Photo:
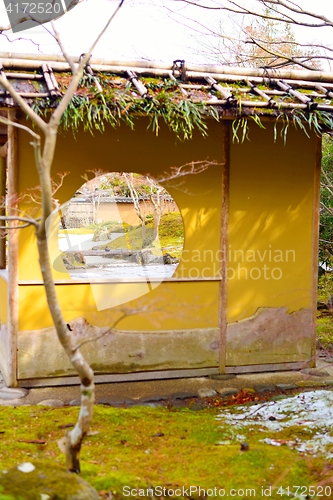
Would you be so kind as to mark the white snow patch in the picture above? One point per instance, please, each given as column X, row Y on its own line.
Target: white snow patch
column 311, row 410
column 26, row 467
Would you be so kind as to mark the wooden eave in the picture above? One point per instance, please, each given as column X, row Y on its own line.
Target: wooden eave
column 232, row 91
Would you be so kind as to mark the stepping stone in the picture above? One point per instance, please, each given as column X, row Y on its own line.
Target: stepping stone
column 153, row 399
column 12, row 402
column 206, row 393
column 183, row 395
column 314, row 372
column 151, row 405
column 286, row 387
column 112, row 401
column 75, row 402
column 227, row 391
column 309, row 383
column 51, row 402
column 13, row 393
column 264, row 388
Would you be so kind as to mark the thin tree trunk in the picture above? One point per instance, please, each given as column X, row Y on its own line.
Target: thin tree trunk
column 75, row 437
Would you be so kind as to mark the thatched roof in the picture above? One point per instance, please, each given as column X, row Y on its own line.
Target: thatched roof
column 141, row 87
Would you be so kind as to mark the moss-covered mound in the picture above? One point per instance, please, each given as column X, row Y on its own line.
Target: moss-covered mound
column 45, row 481
column 105, row 230
column 171, row 236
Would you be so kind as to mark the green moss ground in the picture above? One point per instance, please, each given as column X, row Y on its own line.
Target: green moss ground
column 325, row 317
column 142, row 446
column 171, row 235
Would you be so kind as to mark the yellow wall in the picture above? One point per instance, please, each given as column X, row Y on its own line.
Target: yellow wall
column 191, row 305
column 3, row 301
column 270, row 214
column 167, row 307
column 270, row 224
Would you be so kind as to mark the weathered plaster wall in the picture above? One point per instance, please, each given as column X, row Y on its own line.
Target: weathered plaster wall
column 123, row 351
column 271, row 335
column 5, row 358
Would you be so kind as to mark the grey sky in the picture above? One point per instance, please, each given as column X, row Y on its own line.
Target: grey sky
column 142, row 29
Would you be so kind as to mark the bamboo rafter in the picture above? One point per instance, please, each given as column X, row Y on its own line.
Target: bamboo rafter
column 137, row 84
column 239, row 91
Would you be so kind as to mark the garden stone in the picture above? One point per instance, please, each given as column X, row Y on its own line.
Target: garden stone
column 13, row 393
column 11, row 402
column 227, row 391
column 314, row 372
column 75, row 402
column 264, row 388
column 44, row 480
column 151, row 405
column 309, row 383
column 113, row 401
column 286, row 387
column 206, row 392
column 72, row 260
column 51, row 402
column 101, row 235
column 152, row 399
column 183, row 395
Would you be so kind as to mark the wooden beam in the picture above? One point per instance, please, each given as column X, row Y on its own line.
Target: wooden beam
column 2, row 210
column 315, row 244
column 115, row 281
column 120, row 377
column 270, row 367
column 13, row 240
column 224, row 242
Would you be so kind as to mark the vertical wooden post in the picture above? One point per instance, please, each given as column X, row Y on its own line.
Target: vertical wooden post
column 13, row 236
column 315, row 245
column 2, row 209
column 224, row 242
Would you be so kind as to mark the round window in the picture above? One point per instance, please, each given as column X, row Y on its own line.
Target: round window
column 120, row 226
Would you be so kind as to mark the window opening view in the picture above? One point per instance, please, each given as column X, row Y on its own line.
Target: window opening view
column 121, row 226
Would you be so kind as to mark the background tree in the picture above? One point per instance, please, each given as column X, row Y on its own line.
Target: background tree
column 259, row 42
column 146, row 188
column 275, row 16
column 326, row 203
column 137, row 198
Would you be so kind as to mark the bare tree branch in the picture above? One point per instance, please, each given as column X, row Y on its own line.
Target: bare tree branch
column 237, row 8
column 28, row 221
